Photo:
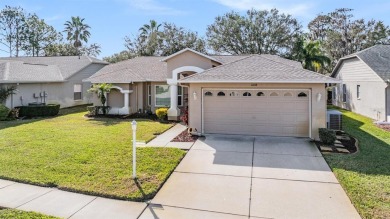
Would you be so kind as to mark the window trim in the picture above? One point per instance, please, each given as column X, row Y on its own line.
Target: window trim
column 180, row 95
column 358, row 92
column 344, row 93
column 149, row 95
column 155, row 95
column 74, row 92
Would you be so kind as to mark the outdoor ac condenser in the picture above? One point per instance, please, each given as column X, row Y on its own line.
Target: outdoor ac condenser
column 334, row 119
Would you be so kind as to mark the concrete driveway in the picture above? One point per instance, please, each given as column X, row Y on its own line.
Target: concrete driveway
column 252, row 177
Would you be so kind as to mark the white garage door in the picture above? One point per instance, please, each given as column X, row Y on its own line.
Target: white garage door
column 256, row 112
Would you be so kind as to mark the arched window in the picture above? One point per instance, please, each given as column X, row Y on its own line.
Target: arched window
column 221, row 94
column 260, row 94
column 288, row 94
column 208, row 93
column 274, row 94
column 302, row 94
column 233, row 94
column 247, row 94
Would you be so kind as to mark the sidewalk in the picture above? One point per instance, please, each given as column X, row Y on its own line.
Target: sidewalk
column 52, row 201
column 165, row 139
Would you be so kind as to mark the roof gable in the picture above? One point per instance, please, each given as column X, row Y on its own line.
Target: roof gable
column 192, row 51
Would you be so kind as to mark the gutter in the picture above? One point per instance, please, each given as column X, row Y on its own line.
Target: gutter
column 265, row 82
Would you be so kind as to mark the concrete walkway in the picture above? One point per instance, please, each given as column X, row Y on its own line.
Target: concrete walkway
column 165, row 139
column 64, row 204
column 251, row 177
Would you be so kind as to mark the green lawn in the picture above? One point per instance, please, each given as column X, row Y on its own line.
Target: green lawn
column 85, row 155
column 365, row 175
column 16, row 214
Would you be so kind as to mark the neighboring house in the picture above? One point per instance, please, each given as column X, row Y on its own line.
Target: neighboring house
column 56, row 79
column 365, row 87
column 250, row 94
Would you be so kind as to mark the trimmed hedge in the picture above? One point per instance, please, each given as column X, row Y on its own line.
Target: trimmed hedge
column 162, row 113
column 327, row 136
column 38, row 111
column 4, row 111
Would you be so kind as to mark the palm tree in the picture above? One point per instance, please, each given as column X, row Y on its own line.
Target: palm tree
column 77, row 31
column 313, row 57
column 101, row 90
column 149, row 35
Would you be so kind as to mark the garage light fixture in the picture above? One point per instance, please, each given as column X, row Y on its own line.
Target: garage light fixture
column 195, row 95
column 319, row 97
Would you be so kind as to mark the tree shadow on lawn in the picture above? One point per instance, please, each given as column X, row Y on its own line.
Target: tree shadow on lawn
column 373, row 155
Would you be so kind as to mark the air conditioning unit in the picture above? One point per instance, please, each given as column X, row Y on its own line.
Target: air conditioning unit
column 334, row 119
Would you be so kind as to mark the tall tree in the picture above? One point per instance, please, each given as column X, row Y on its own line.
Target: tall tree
column 11, row 25
column 66, row 49
column 38, row 35
column 342, row 35
column 118, row 57
column 150, row 36
column 77, row 31
column 257, row 32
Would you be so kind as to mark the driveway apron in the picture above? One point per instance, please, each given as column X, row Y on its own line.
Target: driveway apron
column 225, row 176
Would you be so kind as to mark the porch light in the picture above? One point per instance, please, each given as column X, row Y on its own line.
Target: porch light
column 195, row 95
column 319, row 97
column 134, row 128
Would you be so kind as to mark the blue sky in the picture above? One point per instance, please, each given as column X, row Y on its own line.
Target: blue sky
column 111, row 20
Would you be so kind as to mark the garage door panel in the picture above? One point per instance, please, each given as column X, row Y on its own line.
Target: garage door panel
column 257, row 115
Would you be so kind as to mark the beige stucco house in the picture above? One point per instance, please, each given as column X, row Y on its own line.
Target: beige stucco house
column 249, row 94
column 56, row 79
column 365, row 87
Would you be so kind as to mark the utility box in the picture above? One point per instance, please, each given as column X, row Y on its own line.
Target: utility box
column 334, row 120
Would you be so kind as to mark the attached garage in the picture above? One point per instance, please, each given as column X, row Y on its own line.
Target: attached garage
column 275, row 112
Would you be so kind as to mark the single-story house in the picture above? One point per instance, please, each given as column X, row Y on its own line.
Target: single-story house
column 56, row 79
column 248, row 94
column 365, row 87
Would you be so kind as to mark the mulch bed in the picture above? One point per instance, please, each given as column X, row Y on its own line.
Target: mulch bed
column 384, row 127
column 132, row 116
column 185, row 137
column 345, row 144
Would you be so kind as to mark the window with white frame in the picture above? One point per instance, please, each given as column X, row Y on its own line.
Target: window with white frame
column 344, row 93
column 334, row 93
column 77, row 92
column 358, row 91
column 163, row 95
column 149, row 95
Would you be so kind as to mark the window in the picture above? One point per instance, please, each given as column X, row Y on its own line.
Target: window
column 260, row 94
column 149, row 95
column 234, row 94
column 274, row 94
column 334, row 93
column 302, row 94
column 288, row 94
column 358, row 91
column 163, row 96
column 344, row 93
column 247, row 94
column 180, row 96
column 208, row 93
column 221, row 94
column 77, row 92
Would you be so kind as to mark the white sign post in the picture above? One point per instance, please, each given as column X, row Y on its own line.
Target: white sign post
column 134, row 128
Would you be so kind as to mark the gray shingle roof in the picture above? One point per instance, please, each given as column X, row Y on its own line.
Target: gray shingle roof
column 16, row 71
column 67, row 65
column 258, row 68
column 133, row 70
column 376, row 57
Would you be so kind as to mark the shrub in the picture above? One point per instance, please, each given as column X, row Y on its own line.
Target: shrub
column 4, row 111
column 327, row 136
column 98, row 110
column 14, row 113
column 162, row 113
column 184, row 117
column 36, row 111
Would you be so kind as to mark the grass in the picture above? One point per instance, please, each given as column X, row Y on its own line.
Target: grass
column 17, row 214
column 92, row 156
column 365, row 175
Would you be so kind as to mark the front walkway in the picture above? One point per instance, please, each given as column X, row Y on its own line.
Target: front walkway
column 64, row 204
column 165, row 139
column 251, row 177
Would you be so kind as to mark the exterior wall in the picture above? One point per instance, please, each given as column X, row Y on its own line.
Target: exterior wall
column 372, row 101
column 318, row 109
column 388, row 103
column 59, row 93
column 116, row 99
column 187, row 59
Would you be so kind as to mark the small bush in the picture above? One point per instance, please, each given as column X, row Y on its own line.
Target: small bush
column 98, row 110
column 327, row 136
column 162, row 113
column 4, row 111
column 37, row 111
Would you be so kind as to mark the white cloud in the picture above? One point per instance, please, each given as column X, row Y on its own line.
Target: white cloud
column 153, row 7
column 286, row 6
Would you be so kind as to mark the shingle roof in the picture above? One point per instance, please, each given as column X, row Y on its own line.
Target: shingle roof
column 16, row 71
column 376, row 57
column 67, row 65
column 133, row 70
column 258, row 68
